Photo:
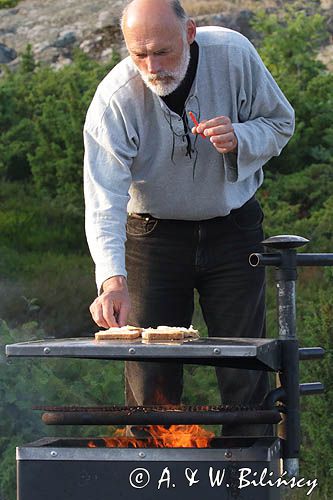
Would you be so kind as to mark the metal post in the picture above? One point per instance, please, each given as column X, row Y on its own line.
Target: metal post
column 286, row 261
column 286, row 276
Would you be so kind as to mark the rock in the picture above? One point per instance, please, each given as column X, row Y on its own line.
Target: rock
column 61, row 62
column 6, row 54
column 11, row 12
column 238, row 21
column 9, row 29
column 105, row 18
column 41, row 47
column 65, row 39
column 326, row 57
column 61, row 24
column 54, row 27
column 104, row 41
column 107, row 54
column 326, row 4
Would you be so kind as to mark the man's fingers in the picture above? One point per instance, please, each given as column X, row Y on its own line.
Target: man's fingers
column 227, row 147
column 123, row 313
column 223, row 140
column 112, row 306
column 109, row 313
column 199, row 129
column 102, row 314
column 109, row 306
column 97, row 316
column 214, row 122
column 219, row 130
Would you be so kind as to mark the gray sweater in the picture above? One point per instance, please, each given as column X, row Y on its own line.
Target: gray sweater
column 136, row 153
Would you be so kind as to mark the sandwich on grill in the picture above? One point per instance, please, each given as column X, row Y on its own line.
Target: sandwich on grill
column 115, row 333
column 169, row 333
column 160, row 333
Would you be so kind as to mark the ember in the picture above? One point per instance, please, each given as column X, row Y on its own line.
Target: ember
column 176, row 436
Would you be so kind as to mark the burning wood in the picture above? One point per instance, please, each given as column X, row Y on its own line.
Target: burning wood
column 176, row 436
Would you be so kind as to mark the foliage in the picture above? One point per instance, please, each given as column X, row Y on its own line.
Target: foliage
column 300, row 203
column 317, row 329
column 289, row 44
column 41, row 118
column 55, row 382
column 34, row 223
column 43, row 256
column 5, row 4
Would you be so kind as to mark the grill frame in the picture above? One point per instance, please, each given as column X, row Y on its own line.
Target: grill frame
column 257, row 449
column 104, row 473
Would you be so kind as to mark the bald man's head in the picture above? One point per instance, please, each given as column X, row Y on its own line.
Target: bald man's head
column 158, row 37
column 169, row 6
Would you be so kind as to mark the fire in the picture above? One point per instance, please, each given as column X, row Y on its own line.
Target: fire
column 176, row 436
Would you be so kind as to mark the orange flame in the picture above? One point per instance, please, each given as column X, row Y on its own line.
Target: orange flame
column 176, row 436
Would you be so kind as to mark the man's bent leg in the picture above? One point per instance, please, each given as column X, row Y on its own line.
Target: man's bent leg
column 160, row 281
column 232, row 297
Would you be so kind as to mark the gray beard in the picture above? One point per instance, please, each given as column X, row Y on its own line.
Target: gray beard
column 166, row 82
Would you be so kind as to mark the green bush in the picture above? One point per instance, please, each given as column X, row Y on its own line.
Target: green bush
column 6, row 4
column 41, row 119
column 30, row 222
column 316, row 328
column 25, row 383
column 289, row 45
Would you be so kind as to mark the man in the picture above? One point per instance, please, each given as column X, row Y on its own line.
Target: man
column 188, row 189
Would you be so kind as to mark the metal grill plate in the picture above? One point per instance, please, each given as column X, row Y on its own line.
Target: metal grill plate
column 211, row 350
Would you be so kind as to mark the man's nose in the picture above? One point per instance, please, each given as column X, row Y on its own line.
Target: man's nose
column 153, row 65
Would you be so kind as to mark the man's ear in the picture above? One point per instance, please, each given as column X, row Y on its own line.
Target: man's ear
column 191, row 31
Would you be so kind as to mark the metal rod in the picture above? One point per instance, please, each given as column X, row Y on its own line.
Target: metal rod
column 266, row 259
column 314, row 259
column 286, row 303
column 308, row 353
column 290, row 382
column 279, row 394
column 291, row 466
column 286, row 276
column 302, row 259
column 311, row 388
column 162, row 418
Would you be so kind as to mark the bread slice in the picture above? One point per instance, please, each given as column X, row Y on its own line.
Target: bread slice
column 160, row 334
column 187, row 332
column 123, row 333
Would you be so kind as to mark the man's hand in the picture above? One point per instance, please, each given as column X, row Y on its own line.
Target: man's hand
column 111, row 308
column 220, row 132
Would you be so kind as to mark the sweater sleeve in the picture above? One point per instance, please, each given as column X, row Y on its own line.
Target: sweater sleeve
column 109, row 150
column 265, row 117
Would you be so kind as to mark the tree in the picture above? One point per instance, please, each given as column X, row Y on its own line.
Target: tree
column 289, row 45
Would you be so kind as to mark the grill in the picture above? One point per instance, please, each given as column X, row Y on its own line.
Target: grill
column 73, row 471
column 87, row 469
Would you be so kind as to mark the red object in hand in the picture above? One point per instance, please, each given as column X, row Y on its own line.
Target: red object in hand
column 194, row 120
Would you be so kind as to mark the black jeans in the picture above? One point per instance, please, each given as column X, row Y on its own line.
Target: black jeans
column 166, row 260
